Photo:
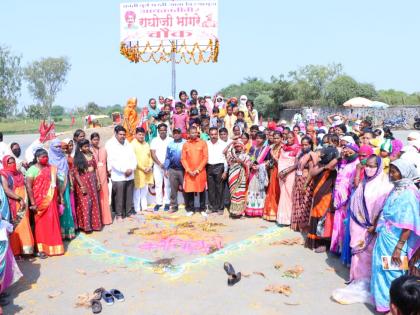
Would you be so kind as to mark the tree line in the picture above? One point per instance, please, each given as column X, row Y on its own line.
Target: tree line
column 312, row 85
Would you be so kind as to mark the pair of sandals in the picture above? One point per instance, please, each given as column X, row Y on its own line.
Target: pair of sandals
column 108, row 296
column 233, row 276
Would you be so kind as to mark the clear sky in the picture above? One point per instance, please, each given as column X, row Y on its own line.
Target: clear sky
column 377, row 41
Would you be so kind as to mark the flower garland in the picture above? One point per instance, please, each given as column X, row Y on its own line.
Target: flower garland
column 183, row 53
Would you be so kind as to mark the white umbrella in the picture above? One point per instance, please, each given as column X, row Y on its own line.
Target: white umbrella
column 358, row 102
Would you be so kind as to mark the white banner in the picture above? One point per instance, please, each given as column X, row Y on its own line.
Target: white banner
column 164, row 21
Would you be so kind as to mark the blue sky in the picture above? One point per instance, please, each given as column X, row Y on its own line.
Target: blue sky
column 376, row 41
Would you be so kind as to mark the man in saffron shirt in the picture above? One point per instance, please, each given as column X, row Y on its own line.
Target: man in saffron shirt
column 194, row 159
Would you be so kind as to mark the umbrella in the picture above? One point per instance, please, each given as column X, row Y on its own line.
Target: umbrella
column 358, row 102
column 377, row 104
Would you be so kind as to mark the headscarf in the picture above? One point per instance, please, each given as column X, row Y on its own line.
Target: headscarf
column 353, row 147
column 386, row 146
column 271, row 125
column 57, row 157
column 220, row 105
column 229, row 102
column 348, row 139
column 365, row 150
column 294, row 148
column 416, row 142
column 397, row 146
column 18, row 179
column 408, row 173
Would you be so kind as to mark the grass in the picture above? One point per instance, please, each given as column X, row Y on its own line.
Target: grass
column 22, row 126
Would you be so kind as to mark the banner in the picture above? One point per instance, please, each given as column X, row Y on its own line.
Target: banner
column 161, row 22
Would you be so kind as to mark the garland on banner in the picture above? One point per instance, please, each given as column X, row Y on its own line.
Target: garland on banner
column 163, row 53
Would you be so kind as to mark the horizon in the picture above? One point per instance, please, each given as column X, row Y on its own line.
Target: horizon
column 372, row 49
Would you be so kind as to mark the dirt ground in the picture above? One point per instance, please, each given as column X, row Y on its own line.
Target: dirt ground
column 172, row 264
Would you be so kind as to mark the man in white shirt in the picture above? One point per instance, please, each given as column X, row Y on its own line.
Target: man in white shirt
column 4, row 150
column 121, row 162
column 158, row 149
column 216, row 171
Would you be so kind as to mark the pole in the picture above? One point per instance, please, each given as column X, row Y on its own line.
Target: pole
column 173, row 87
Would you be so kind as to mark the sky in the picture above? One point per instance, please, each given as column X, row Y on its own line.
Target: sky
column 377, row 41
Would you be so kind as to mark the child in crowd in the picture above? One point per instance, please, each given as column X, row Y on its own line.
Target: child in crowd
column 180, row 119
column 240, row 121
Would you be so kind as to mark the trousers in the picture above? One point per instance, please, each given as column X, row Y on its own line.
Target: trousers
column 215, row 186
column 189, row 201
column 140, row 198
column 122, row 197
column 176, row 179
column 162, row 186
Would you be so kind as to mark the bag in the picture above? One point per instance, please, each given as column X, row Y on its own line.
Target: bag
column 356, row 292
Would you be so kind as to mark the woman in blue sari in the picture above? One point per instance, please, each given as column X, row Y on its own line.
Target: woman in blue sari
column 398, row 231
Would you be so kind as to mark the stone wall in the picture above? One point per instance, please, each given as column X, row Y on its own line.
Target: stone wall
column 377, row 115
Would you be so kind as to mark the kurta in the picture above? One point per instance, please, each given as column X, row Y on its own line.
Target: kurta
column 144, row 160
column 194, row 157
column 130, row 122
column 100, row 157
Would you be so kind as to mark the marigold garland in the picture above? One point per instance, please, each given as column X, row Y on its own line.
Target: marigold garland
column 196, row 53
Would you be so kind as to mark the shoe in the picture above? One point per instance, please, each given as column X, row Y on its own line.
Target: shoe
column 229, row 269
column 204, row 214
column 96, row 306
column 117, row 295
column 156, row 208
column 97, row 294
column 166, row 208
column 189, row 213
column 173, row 210
column 108, row 298
column 234, row 279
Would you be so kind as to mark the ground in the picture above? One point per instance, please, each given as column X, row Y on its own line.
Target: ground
column 172, row 264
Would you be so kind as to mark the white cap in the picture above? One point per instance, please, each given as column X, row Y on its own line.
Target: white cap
column 348, row 139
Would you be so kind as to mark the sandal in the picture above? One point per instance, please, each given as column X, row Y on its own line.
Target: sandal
column 42, row 255
column 234, row 279
column 97, row 294
column 117, row 295
column 229, row 269
column 96, row 306
column 107, row 297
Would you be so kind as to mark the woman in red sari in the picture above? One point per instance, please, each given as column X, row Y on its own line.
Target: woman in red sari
column 88, row 207
column 273, row 191
column 21, row 239
column 44, row 196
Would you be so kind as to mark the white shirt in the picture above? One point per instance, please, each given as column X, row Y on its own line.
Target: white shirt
column 120, row 158
column 4, row 150
column 160, row 146
column 215, row 151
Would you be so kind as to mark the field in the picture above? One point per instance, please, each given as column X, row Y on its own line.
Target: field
column 24, row 126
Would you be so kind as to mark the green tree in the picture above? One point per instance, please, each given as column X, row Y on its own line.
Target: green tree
column 113, row 109
column 34, row 111
column 93, row 109
column 10, row 81
column 46, row 78
column 57, row 111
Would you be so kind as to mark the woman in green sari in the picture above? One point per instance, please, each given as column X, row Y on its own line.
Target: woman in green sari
column 58, row 159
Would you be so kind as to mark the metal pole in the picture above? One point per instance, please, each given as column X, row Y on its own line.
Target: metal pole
column 173, row 72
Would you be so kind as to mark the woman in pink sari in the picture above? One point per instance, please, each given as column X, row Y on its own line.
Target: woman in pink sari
column 100, row 156
column 258, row 178
column 287, row 172
column 342, row 193
column 365, row 207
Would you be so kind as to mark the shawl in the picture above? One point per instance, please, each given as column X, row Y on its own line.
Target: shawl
column 57, row 157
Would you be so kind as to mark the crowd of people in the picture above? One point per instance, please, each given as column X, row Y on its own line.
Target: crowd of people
column 347, row 187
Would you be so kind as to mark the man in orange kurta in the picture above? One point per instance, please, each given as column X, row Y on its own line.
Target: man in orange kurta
column 131, row 118
column 194, row 159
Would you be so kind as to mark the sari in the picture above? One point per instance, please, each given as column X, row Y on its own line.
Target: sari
column 341, row 196
column 47, row 222
column 21, row 239
column 238, row 176
column 401, row 212
column 302, row 197
column 258, row 180
column 9, row 270
column 365, row 206
column 100, row 157
column 273, row 190
column 88, row 207
column 59, row 160
column 321, row 215
column 287, row 160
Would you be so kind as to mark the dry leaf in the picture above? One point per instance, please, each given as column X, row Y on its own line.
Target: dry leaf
column 281, row 289
column 109, row 270
column 246, row 275
column 294, row 272
column 278, row 265
column 330, row 269
column 292, row 303
column 259, row 273
column 289, row 241
column 54, row 294
column 81, row 271
column 83, row 300
column 132, row 231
